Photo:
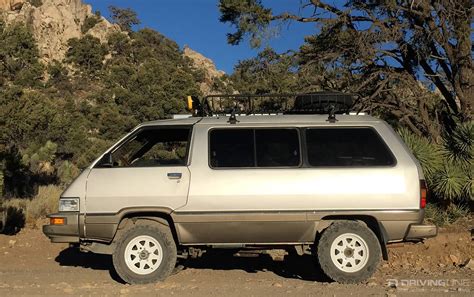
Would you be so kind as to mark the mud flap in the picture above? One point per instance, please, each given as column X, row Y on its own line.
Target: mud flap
column 382, row 236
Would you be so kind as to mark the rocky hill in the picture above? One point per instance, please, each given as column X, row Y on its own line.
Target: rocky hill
column 54, row 22
column 207, row 66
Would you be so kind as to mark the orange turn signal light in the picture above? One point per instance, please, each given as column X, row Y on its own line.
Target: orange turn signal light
column 57, row 221
column 190, row 103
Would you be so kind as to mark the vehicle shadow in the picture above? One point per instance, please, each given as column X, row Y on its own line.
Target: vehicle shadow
column 72, row 257
column 293, row 266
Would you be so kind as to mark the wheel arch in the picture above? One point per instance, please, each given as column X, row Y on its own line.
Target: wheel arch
column 371, row 222
column 135, row 217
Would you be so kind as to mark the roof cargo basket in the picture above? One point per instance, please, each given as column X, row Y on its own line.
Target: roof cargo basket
column 312, row 103
column 322, row 103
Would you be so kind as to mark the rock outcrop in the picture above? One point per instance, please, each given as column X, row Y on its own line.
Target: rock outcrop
column 207, row 66
column 54, row 22
column 7, row 5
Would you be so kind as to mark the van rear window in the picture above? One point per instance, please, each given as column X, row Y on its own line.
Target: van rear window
column 346, row 147
column 254, row 148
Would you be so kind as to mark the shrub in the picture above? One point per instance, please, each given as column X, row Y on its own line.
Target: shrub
column 45, row 202
column 67, row 171
column 448, row 168
column 41, row 159
column 89, row 23
column 36, row 3
column 459, row 145
column 450, row 182
column 442, row 217
column 87, row 53
column 428, row 154
column 19, row 54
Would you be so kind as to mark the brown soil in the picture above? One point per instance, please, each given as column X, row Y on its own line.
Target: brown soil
column 31, row 265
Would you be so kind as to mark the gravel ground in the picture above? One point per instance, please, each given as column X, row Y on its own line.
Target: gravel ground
column 31, row 265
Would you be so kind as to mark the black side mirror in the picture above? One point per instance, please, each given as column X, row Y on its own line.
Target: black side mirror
column 107, row 161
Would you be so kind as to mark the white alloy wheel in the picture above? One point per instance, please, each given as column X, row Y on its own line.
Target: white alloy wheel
column 143, row 254
column 349, row 252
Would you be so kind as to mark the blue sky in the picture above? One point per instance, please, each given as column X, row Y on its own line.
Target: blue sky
column 196, row 23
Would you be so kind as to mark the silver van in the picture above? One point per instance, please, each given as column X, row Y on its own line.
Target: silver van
column 340, row 187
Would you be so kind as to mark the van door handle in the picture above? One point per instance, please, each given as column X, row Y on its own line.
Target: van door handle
column 174, row 175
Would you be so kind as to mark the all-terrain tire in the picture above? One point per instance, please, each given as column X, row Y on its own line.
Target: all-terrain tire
column 152, row 243
column 348, row 252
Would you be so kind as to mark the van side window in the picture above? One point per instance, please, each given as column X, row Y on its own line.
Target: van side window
column 346, row 147
column 277, row 147
column 252, row 148
column 232, row 148
column 154, row 147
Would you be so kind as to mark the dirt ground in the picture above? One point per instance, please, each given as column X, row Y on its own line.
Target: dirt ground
column 31, row 265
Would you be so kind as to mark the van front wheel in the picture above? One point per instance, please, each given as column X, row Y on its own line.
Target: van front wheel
column 348, row 252
column 145, row 254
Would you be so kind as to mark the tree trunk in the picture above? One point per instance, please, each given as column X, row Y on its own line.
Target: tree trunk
column 463, row 66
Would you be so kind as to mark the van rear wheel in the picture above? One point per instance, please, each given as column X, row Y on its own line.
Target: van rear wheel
column 145, row 254
column 348, row 252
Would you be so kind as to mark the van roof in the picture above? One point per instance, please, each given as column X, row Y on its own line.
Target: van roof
column 266, row 119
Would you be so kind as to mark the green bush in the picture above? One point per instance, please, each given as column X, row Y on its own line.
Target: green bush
column 459, row 145
column 18, row 56
column 89, row 23
column 40, row 161
column 442, row 217
column 67, row 171
column 450, row 182
column 36, row 3
column 449, row 167
column 428, row 154
column 87, row 53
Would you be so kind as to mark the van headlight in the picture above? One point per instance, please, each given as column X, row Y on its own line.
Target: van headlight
column 68, row 204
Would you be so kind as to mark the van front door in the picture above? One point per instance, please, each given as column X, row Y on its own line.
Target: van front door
column 146, row 172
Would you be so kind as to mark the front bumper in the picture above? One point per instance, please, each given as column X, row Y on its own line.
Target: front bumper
column 420, row 231
column 68, row 232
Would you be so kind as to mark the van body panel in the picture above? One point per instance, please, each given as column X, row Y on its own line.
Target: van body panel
column 215, row 193
column 111, row 190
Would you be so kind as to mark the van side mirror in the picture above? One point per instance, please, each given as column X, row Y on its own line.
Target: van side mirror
column 107, row 161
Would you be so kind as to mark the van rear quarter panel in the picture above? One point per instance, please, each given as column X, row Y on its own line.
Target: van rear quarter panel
column 231, row 191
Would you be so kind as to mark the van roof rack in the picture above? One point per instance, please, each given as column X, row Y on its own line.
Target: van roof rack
column 326, row 102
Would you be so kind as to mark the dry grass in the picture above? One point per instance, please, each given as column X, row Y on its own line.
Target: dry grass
column 446, row 217
column 45, row 202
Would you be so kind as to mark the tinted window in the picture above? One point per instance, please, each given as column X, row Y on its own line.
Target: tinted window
column 349, row 147
column 254, row 148
column 277, row 147
column 153, row 147
column 232, row 148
